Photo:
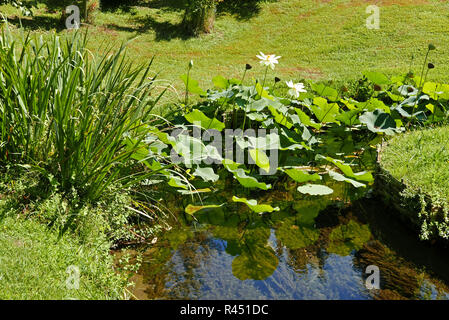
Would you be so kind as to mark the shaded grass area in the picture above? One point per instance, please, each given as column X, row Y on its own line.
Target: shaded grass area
column 34, row 264
column 38, row 259
column 317, row 40
column 421, row 160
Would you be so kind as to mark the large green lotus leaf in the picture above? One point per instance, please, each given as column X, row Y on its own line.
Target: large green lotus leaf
column 257, row 263
column 347, row 170
column 192, row 85
column 349, row 118
column 379, row 121
column 325, row 112
column 295, row 237
column 301, row 175
column 242, row 177
column 305, row 119
column 258, row 105
column 280, row 118
column 220, row 96
column 262, row 92
column 207, row 174
column 191, row 209
column 315, row 189
column 231, row 166
column 257, row 116
column 350, row 104
column 252, row 204
column 162, row 136
column 436, row 90
column 376, row 77
column 193, row 149
column 220, row 82
column 348, row 237
column 197, row 116
column 325, row 91
column 373, row 104
column 248, row 181
column 291, row 140
column 178, row 182
column 268, row 142
column 261, row 159
column 339, row 177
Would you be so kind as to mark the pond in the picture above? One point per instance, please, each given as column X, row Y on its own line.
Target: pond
column 312, row 248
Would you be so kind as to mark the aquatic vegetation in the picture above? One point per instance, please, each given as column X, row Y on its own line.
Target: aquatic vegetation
column 311, row 136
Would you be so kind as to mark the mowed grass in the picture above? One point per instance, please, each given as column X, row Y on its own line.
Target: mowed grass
column 34, row 265
column 317, row 39
column 421, row 160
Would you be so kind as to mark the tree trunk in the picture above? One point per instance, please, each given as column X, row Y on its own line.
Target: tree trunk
column 199, row 20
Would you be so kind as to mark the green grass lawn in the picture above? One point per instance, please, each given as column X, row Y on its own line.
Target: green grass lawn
column 317, row 40
column 34, row 265
column 421, row 160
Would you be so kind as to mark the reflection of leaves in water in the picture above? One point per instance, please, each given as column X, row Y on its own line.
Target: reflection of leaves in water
column 178, row 237
column 233, row 248
column 295, row 237
column 345, row 238
column 256, row 237
column 255, row 259
column 299, row 231
column 308, row 211
column 256, row 263
column 226, row 233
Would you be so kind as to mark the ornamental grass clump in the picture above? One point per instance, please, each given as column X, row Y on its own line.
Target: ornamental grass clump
column 72, row 117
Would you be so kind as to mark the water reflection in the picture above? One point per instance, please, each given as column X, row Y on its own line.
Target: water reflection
column 308, row 250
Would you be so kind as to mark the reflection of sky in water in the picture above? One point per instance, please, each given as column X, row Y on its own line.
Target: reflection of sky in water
column 337, row 279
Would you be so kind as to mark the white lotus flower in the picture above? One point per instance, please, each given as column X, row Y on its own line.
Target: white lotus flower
column 268, row 60
column 295, row 88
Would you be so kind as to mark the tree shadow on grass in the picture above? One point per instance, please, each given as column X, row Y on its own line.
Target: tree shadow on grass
column 38, row 22
column 167, row 30
column 164, row 30
column 127, row 5
column 242, row 10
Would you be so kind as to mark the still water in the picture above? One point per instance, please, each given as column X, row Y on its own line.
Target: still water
column 310, row 249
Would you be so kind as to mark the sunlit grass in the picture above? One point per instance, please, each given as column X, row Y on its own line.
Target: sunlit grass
column 317, row 40
column 34, row 264
column 421, row 160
